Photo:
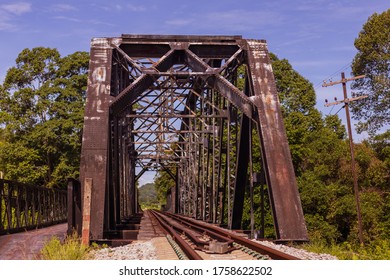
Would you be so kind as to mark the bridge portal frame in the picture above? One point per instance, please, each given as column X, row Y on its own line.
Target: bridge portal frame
column 124, row 70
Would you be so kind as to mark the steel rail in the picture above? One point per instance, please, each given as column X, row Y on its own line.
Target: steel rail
column 186, row 230
column 215, row 235
column 187, row 249
column 272, row 253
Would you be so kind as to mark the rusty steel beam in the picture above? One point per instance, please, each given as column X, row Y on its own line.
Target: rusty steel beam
column 129, row 94
column 96, row 136
column 180, row 38
column 283, row 190
column 229, row 91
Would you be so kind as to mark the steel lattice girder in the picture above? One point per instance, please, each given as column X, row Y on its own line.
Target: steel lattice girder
column 163, row 102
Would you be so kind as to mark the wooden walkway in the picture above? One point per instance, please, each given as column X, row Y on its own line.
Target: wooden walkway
column 27, row 245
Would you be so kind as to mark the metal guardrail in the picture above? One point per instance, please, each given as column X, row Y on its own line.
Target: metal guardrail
column 24, row 207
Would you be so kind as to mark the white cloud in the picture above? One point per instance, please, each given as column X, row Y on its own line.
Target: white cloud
column 311, row 5
column 63, row 8
column 8, row 12
column 98, row 22
column 136, row 8
column 16, row 8
column 78, row 20
column 315, row 63
column 67, row 18
column 228, row 21
column 179, row 22
column 241, row 20
column 346, row 48
column 4, row 24
column 122, row 8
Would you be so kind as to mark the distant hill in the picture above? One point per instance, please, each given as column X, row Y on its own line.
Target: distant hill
column 147, row 194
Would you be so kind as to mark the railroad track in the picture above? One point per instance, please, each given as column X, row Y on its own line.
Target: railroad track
column 194, row 237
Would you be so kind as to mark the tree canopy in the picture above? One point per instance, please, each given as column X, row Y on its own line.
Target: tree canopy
column 41, row 112
column 373, row 60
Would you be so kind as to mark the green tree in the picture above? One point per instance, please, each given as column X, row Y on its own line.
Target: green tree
column 163, row 182
column 296, row 93
column 306, row 129
column 381, row 145
column 373, row 60
column 41, row 105
column 321, row 160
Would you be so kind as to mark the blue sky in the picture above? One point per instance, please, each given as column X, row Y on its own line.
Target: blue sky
column 316, row 36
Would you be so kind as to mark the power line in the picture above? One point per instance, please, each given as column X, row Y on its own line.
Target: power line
column 339, row 109
column 338, row 71
column 332, row 110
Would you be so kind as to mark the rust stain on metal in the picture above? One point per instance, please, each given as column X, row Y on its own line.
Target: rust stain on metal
column 86, row 223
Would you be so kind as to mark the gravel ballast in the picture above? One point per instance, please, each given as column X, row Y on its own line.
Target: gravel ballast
column 145, row 250
column 138, row 250
column 299, row 253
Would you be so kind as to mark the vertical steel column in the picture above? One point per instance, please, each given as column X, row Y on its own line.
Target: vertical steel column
column 220, row 185
column 213, row 207
column 112, row 195
column 2, row 201
column 251, row 191
column 115, row 176
column 131, row 181
column 74, row 206
column 243, row 158
column 71, row 207
column 241, row 174
column 131, row 185
column 228, row 167
column 93, row 165
column 208, row 180
column 33, row 206
column 199, row 186
column 9, row 211
column 203, row 165
column 176, row 207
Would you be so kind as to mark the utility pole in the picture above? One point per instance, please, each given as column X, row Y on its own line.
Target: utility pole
column 346, row 101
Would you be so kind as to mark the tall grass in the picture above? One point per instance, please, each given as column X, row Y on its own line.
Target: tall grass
column 377, row 250
column 70, row 249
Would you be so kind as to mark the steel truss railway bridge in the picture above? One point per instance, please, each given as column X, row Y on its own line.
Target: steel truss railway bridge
column 191, row 106
column 175, row 103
